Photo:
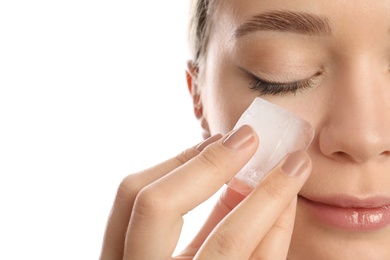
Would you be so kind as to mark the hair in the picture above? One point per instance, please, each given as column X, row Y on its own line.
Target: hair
column 200, row 20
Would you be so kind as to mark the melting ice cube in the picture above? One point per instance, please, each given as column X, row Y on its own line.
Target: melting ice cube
column 280, row 132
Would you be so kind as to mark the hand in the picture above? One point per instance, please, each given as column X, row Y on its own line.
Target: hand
column 146, row 217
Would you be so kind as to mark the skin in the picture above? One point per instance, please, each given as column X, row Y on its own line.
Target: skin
column 347, row 104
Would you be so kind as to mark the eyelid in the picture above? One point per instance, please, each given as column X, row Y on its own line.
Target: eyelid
column 265, row 87
column 270, row 82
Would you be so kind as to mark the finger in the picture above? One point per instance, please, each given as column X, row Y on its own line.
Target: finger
column 237, row 236
column 156, row 220
column 113, row 243
column 228, row 200
column 276, row 242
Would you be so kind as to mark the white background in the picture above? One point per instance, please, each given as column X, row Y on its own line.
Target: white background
column 90, row 91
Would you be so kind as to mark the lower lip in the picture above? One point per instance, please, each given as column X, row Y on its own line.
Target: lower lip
column 352, row 219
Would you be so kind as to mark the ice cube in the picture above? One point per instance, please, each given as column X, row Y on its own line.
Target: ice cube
column 280, row 132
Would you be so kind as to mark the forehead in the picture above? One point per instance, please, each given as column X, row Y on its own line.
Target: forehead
column 343, row 15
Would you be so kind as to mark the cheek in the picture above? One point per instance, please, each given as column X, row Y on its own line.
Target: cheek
column 223, row 104
column 221, row 110
column 224, row 99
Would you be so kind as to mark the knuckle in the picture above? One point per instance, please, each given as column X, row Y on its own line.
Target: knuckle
column 212, row 160
column 281, row 228
column 275, row 190
column 185, row 156
column 230, row 241
column 150, row 202
column 128, row 188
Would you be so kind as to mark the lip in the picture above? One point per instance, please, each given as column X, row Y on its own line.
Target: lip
column 349, row 213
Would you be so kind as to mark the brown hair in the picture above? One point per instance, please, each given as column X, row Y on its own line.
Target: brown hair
column 200, row 22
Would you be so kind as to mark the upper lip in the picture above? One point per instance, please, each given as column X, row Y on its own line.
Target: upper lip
column 348, row 201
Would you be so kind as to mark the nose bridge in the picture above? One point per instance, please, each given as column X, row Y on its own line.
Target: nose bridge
column 358, row 126
column 358, row 107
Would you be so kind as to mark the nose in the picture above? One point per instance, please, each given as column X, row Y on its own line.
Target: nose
column 356, row 128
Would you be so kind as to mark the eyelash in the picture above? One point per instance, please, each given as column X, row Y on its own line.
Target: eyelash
column 276, row 88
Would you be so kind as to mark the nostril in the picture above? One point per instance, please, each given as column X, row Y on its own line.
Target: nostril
column 385, row 154
column 358, row 156
column 342, row 156
column 366, row 143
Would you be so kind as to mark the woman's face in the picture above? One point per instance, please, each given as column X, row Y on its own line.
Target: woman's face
column 328, row 61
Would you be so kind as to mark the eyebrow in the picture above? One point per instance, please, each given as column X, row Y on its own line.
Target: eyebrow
column 286, row 21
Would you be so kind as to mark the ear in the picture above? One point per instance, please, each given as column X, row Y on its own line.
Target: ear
column 192, row 84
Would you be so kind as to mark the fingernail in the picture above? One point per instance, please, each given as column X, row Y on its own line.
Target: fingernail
column 296, row 163
column 239, row 138
column 208, row 141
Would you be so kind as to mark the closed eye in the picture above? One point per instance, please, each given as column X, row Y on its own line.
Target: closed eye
column 277, row 88
column 265, row 87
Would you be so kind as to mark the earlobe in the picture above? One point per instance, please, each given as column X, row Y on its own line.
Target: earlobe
column 192, row 84
column 192, row 77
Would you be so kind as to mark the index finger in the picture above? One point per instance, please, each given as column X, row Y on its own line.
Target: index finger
column 113, row 242
column 156, row 220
